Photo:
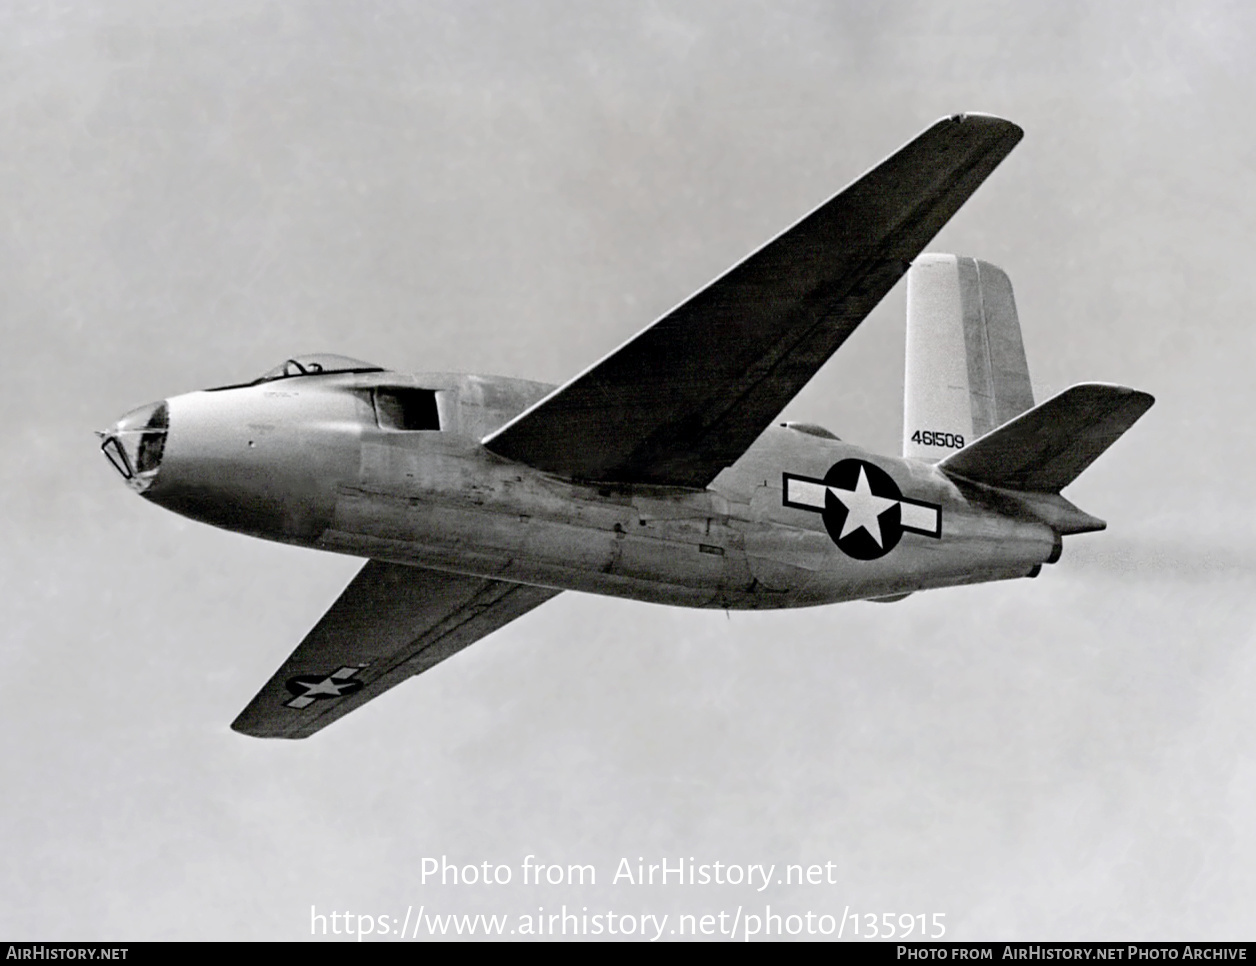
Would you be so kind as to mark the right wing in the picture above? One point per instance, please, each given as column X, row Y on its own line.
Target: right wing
column 686, row 397
column 390, row 623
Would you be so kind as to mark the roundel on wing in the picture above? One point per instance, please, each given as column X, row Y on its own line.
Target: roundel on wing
column 862, row 509
column 318, row 686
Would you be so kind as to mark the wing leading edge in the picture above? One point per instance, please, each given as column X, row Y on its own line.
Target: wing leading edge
column 391, row 623
column 687, row 396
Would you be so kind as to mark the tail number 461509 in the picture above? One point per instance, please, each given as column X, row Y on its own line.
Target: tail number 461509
column 930, row 437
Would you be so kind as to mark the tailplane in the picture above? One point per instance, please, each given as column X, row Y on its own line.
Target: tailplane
column 1046, row 448
column 966, row 372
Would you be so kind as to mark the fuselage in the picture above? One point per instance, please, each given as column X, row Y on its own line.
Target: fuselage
column 389, row 466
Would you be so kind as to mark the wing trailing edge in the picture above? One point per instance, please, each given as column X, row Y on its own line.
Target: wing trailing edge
column 687, row 396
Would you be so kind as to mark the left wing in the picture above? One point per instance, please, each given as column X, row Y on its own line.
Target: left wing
column 391, row 622
column 686, row 397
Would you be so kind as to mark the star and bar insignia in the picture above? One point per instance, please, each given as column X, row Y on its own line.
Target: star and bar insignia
column 309, row 688
column 862, row 507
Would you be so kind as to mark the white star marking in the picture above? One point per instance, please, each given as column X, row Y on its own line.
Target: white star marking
column 334, row 686
column 916, row 516
column 326, row 686
column 862, row 508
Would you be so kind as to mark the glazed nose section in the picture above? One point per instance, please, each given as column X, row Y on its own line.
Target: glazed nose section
column 134, row 444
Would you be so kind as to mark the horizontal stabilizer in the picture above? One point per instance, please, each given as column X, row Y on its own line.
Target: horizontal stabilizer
column 1047, row 447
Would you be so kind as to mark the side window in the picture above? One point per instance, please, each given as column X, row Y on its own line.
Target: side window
column 406, row 409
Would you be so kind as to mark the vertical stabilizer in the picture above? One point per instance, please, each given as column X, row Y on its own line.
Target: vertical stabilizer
column 966, row 371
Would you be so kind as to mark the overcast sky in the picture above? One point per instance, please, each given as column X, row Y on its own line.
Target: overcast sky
column 190, row 193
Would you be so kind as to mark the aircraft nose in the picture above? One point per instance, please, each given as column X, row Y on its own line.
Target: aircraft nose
column 134, row 444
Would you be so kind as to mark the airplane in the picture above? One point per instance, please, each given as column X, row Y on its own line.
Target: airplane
column 661, row 473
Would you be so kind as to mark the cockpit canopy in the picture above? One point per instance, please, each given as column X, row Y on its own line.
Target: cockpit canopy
column 316, row 364
column 311, row 364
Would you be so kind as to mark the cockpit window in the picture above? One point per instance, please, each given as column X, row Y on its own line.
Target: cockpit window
column 315, row 364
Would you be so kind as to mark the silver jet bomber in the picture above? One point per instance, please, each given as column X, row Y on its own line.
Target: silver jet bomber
column 660, row 473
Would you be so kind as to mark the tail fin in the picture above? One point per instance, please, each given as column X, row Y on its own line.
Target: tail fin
column 966, row 370
column 1046, row 448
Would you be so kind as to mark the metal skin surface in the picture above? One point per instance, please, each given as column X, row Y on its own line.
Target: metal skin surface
column 304, row 461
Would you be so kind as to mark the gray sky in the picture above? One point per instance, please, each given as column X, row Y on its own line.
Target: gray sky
column 193, row 192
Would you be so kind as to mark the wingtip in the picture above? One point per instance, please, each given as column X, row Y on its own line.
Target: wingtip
column 243, row 726
column 1144, row 399
column 252, row 733
column 993, row 121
